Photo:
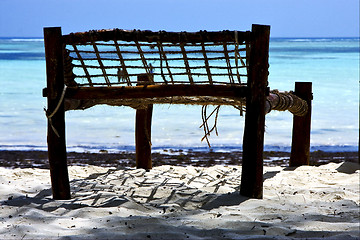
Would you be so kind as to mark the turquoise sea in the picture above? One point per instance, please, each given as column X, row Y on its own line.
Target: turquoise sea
column 332, row 64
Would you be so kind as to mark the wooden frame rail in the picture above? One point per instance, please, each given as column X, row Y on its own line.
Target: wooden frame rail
column 151, row 91
column 162, row 36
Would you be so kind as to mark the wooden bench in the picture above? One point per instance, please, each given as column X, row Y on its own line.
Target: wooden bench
column 142, row 68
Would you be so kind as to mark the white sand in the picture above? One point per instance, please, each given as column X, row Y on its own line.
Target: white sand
column 179, row 203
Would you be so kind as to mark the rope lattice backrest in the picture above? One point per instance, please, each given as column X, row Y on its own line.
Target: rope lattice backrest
column 117, row 57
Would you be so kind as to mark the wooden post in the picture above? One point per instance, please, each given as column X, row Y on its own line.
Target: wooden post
column 253, row 142
column 56, row 124
column 300, row 147
column 143, row 131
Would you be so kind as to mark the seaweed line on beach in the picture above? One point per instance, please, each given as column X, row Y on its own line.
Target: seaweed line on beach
column 39, row 159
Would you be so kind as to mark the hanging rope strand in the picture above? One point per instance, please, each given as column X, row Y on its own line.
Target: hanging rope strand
column 205, row 124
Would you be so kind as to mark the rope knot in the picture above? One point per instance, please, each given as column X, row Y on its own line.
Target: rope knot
column 49, row 116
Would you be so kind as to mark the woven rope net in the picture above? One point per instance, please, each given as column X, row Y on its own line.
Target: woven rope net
column 165, row 59
column 109, row 58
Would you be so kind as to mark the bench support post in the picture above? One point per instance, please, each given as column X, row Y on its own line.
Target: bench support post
column 300, row 147
column 56, row 124
column 253, row 141
column 143, row 132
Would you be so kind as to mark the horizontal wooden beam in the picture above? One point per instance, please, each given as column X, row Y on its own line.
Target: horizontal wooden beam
column 153, row 91
column 149, row 36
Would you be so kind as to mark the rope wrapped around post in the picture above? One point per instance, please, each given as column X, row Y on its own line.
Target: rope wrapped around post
column 50, row 115
column 282, row 101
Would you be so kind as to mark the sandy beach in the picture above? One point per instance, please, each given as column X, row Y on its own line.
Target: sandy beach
column 182, row 202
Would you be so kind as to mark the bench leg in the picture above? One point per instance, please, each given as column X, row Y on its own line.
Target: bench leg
column 143, row 137
column 252, row 161
column 300, row 146
column 57, row 157
column 56, row 122
column 253, row 143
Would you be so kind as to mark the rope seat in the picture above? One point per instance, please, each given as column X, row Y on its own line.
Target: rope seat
column 115, row 58
column 166, row 57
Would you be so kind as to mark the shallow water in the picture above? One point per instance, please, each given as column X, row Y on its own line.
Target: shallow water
column 331, row 64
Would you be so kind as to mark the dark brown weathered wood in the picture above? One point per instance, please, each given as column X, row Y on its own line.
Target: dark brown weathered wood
column 206, row 62
column 300, row 147
column 149, row 36
column 253, row 142
column 56, row 124
column 149, row 91
column 143, row 132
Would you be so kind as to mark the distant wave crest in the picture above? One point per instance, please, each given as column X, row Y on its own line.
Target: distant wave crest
column 26, row 39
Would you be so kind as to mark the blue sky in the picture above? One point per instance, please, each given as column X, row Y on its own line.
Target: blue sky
column 288, row 18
